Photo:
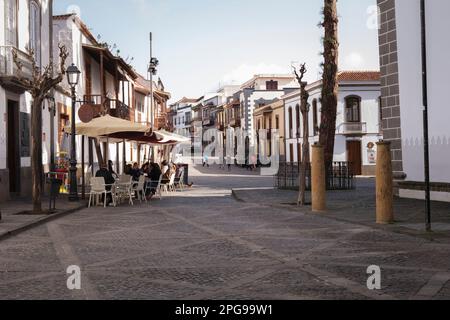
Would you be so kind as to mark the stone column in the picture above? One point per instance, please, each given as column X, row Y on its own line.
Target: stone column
column 318, row 185
column 384, row 189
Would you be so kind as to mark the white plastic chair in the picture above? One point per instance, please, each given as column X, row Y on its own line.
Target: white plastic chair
column 179, row 179
column 98, row 188
column 170, row 186
column 158, row 192
column 150, row 185
column 139, row 188
column 123, row 189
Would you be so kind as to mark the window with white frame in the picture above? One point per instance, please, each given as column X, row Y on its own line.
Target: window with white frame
column 11, row 23
column 35, row 30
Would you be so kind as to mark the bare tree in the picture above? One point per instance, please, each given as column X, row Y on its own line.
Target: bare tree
column 40, row 83
column 330, row 78
column 304, row 108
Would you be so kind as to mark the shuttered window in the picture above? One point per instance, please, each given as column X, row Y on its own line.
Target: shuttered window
column 11, row 23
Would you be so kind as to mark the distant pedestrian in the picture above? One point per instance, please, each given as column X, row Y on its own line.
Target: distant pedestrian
column 205, row 161
column 229, row 163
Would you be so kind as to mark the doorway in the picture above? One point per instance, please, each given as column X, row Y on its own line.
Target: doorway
column 13, row 154
column 354, row 156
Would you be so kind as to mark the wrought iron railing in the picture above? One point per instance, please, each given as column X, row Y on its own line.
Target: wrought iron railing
column 118, row 109
column 338, row 176
column 353, row 128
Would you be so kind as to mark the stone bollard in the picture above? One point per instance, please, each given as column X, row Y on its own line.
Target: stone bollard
column 384, row 189
column 318, row 188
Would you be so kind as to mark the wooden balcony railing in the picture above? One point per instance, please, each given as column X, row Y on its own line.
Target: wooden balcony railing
column 113, row 107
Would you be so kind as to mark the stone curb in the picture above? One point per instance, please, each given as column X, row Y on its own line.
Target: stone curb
column 433, row 237
column 32, row 224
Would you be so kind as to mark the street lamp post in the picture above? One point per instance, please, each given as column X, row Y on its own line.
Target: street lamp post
column 73, row 76
column 152, row 71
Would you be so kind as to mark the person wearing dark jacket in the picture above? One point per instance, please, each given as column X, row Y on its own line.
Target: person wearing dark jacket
column 155, row 174
column 109, row 180
column 111, row 169
column 135, row 172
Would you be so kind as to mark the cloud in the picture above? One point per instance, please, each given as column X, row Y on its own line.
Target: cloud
column 353, row 61
column 245, row 72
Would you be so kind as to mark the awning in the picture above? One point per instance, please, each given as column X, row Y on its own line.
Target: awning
column 166, row 136
column 154, row 138
column 106, row 125
column 119, row 129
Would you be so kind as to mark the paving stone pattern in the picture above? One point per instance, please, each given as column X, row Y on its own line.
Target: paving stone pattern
column 204, row 244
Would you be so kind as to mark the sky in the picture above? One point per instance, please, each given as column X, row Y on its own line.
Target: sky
column 204, row 44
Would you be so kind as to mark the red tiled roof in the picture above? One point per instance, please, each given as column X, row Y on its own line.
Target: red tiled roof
column 359, row 76
column 187, row 100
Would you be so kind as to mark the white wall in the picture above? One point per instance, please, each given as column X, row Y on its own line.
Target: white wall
column 260, row 84
column 409, row 56
column 3, row 137
column 369, row 95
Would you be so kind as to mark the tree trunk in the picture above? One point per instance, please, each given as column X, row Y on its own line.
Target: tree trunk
column 36, row 154
column 330, row 79
column 305, row 146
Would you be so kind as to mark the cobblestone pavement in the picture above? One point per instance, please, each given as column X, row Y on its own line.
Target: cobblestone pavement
column 203, row 244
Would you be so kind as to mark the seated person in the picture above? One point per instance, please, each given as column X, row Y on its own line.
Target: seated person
column 146, row 169
column 155, row 174
column 127, row 169
column 165, row 167
column 135, row 172
column 109, row 180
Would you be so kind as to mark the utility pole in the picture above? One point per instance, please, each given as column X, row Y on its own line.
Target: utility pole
column 151, row 81
column 151, row 94
column 425, row 117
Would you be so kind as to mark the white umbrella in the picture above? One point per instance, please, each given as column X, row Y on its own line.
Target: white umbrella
column 106, row 125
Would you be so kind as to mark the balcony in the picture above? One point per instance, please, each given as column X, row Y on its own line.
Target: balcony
column 112, row 107
column 196, row 120
column 353, row 128
column 10, row 72
column 208, row 122
column 220, row 126
column 118, row 109
column 161, row 122
column 235, row 122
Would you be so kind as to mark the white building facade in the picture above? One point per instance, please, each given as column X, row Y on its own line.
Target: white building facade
column 401, row 68
column 23, row 24
column 358, row 123
column 262, row 89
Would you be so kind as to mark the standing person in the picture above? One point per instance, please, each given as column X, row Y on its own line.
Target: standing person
column 111, row 169
column 229, row 163
column 253, row 162
column 205, row 161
